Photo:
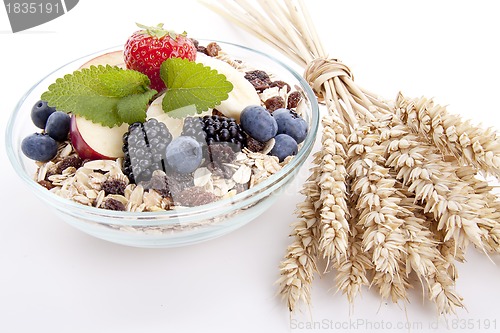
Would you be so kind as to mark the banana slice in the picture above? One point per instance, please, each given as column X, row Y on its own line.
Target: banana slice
column 243, row 93
column 174, row 125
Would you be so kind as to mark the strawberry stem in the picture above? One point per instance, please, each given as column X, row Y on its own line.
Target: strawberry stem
column 158, row 31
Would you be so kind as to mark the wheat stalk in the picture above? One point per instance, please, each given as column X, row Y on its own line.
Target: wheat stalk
column 287, row 26
column 405, row 183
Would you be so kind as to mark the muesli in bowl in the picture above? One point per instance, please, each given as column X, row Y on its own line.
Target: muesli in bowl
column 165, row 142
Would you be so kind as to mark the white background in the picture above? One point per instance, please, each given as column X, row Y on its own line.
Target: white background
column 54, row 278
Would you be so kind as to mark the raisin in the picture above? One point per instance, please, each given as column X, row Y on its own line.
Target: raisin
column 280, row 84
column 241, row 187
column 221, row 155
column 258, row 74
column 114, row 186
column 293, row 100
column 201, row 49
column 51, row 172
column 158, row 183
column 216, row 112
column 169, row 203
column 259, row 79
column 274, row 103
column 195, row 196
column 45, row 183
column 195, row 42
column 113, row 204
column 70, row 161
column 177, row 182
column 212, row 49
column 255, row 145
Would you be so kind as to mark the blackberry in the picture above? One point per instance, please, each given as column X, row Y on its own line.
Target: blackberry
column 144, row 146
column 215, row 129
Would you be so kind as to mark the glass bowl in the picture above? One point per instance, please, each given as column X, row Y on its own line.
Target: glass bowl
column 175, row 227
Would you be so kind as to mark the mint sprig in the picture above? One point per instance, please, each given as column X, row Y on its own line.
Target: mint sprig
column 190, row 83
column 107, row 95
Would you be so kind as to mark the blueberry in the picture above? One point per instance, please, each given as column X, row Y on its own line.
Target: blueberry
column 291, row 123
column 57, row 126
column 184, row 154
column 258, row 123
column 40, row 113
column 39, row 147
column 284, row 146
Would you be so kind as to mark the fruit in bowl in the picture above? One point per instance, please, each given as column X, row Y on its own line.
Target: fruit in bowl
column 164, row 167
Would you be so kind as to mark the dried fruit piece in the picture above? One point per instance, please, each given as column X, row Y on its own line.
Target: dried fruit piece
column 47, row 184
column 259, row 79
column 159, row 183
column 212, row 49
column 70, row 161
column 114, row 186
column 113, row 204
column 194, row 196
column 274, row 103
column 293, row 100
column 220, row 156
column 255, row 145
column 280, row 84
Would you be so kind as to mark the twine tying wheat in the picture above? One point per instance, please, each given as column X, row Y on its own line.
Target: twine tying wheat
column 398, row 188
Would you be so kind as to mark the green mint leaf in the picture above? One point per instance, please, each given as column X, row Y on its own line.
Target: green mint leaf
column 107, row 95
column 183, row 111
column 133, row 108
column 190, row 83
column 130, row 82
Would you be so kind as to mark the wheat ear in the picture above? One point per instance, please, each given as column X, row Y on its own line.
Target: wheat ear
column 469, row 144
column 434, row 182
column 353, row 273
column 298, row 267
column 424, row 258
column 334, row 227
column 377, row 202
column 489, row 216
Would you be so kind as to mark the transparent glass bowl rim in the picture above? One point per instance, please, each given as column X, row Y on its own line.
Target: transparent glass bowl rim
column 169, row 216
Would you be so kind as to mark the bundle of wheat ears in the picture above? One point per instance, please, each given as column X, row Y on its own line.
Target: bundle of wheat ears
column 398, row 190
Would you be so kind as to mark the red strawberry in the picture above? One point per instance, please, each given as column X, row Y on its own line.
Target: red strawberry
column 146, row 49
